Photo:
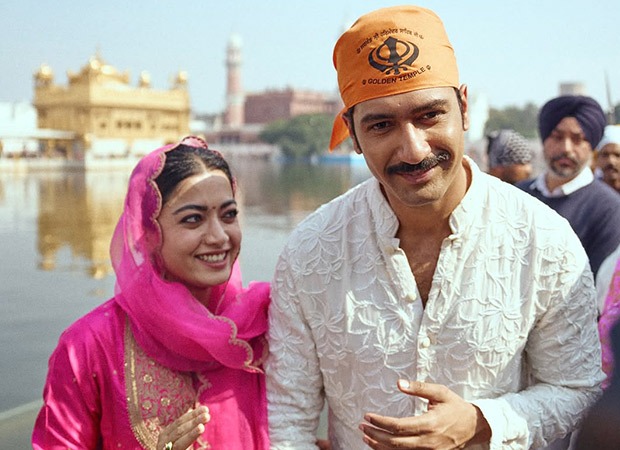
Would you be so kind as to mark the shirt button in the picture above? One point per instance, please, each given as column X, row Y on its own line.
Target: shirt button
column 426, row 342
column 391, row 249
column 411, row 297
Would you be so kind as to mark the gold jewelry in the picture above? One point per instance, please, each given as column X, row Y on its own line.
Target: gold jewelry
column 168, row 445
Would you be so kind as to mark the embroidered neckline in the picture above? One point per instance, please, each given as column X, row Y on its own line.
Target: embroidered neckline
column 156, row 395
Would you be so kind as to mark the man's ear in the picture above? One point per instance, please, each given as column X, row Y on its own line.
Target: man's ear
column 464, row 111
column 347, row 120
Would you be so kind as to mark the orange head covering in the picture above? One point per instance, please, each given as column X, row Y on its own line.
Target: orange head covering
column 390, row 51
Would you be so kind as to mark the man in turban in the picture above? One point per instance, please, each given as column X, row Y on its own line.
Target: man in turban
column 608, row 156
column 431, row 306
column 509, row 155
column 570, row 127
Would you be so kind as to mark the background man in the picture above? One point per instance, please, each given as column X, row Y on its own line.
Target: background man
column 509, row 155
column 608, row 156
column 571, row 127
column 432, row 306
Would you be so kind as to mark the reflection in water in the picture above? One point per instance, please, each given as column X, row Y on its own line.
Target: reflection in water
column 79, row 210
column 55, row 231
column 293, row 190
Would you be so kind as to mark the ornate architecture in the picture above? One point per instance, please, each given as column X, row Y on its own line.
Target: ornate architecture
column 108, row 116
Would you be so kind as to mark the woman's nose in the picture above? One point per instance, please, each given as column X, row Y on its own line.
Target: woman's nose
column 214, row 232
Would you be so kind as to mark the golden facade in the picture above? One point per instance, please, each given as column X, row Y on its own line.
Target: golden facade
column 99, row 104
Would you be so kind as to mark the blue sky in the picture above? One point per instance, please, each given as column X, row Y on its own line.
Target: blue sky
column 512, row 52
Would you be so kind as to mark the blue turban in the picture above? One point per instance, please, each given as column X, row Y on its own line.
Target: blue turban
column 586, row 110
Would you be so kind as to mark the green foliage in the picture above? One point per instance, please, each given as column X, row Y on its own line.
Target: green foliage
column 522, row 120
column 301, row 136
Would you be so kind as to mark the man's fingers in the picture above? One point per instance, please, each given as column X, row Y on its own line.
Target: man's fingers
column 382, row 426
column 434, row 393
column 380, row 439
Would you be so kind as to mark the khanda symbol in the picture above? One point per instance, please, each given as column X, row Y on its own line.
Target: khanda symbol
column 393, row 56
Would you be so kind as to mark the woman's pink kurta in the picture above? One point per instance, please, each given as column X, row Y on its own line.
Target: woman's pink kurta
column 135, row 364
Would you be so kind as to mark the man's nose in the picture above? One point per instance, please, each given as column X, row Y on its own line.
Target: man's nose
column 415, row 147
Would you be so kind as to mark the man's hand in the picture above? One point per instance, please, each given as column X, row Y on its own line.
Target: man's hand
column 449, row 423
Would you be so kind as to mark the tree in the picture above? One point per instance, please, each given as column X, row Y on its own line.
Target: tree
column 524, row 121
column 301, row 136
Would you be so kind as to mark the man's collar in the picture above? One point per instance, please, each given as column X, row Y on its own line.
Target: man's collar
column 584, row 178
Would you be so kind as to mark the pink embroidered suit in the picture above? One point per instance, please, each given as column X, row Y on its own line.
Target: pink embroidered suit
column 136, row 363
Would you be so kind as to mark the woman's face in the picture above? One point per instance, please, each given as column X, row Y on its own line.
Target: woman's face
column 201, row 236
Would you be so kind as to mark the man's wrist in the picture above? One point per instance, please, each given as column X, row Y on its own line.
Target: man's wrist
column 483, row 429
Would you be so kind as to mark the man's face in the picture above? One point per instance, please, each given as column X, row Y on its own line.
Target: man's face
column 566, row 150
column 608, row 160
column 413, row 144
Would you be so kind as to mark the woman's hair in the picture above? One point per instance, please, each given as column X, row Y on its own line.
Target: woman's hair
column 183, row 162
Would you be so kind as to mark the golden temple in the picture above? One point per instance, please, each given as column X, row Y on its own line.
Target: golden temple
column 106, row 115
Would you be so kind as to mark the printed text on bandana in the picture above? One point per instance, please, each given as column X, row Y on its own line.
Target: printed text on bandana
column 393, row 57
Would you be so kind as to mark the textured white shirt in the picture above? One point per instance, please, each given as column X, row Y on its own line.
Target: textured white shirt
column 510, row 321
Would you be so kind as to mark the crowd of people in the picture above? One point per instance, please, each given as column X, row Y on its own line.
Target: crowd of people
column 434, row 305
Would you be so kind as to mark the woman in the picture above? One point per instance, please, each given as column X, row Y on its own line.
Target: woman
column 173, row 360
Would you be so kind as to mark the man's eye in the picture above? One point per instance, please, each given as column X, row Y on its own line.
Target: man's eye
column 379, row 125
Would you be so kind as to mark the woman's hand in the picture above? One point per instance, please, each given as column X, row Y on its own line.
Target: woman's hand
column 184, row 431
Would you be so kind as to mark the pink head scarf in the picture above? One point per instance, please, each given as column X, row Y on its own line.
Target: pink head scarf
column 168, row 323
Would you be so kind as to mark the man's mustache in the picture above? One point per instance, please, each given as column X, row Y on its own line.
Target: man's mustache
column 564, row 156
column 427, row 163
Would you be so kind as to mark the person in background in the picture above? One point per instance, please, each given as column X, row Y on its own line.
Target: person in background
column 431, row 306
column 570, row 127
column 608, row 157
column 509, row 156
column 174, row 359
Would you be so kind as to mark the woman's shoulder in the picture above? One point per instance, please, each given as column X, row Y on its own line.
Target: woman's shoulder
column 104, row 323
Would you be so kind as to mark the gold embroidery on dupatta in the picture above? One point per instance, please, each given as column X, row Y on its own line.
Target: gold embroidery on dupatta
column 156, row 395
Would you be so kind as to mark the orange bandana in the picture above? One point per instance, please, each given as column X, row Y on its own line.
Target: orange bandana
column 391, row 51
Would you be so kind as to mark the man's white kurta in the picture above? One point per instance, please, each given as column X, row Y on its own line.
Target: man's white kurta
column 510, row 322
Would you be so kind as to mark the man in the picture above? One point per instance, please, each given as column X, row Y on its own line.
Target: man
column 510, row 156
column 608, row 156
column 432, row 306
column 571, row 127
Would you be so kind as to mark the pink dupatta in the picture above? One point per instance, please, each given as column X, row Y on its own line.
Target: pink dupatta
column 168, row 323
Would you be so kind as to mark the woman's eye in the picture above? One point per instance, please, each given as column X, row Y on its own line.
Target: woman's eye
column 231, row 214
column 194, row 218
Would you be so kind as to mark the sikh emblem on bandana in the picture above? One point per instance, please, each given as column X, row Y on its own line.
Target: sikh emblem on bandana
column 393, row 56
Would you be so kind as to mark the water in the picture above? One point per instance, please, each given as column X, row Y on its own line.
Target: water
column 55, row 230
